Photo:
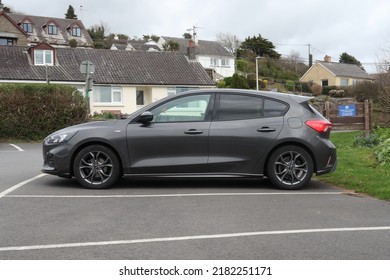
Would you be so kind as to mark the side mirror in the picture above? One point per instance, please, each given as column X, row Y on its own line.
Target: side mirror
column 145, row 117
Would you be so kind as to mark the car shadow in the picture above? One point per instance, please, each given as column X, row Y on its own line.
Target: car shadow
column 235, row 184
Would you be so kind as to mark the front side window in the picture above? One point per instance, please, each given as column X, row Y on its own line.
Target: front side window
column 241, row 107
column 52, row 29
column 184, row 109
column 76, row 31
column 27, row 27
column 43, row 57
column 107, row 94
column 324, row 83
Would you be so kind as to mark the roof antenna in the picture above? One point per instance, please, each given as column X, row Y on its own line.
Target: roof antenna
column 81, row 12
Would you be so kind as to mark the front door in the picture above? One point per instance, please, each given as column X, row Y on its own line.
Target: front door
column 176, row 141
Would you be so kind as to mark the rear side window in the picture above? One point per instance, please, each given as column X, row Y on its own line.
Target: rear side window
column 241, row 107
column 273, row 108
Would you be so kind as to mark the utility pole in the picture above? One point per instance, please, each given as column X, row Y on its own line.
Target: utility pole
column 310, row 56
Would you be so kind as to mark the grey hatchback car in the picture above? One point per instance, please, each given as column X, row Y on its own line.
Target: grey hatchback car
column 200, row 133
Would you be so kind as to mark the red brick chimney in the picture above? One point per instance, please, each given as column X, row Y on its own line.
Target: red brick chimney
column 191, row 50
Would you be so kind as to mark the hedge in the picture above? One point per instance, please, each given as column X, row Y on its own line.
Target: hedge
column 32, row 111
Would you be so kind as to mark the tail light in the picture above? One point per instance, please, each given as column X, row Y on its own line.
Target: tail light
column 320, row 126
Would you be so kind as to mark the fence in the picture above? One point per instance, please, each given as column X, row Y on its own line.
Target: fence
column 346, row 114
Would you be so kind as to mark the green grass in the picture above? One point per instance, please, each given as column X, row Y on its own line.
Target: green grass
column 358, row 168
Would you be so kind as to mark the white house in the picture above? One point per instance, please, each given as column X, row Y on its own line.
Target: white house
column 210, row 54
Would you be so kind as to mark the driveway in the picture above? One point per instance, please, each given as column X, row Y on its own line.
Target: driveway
column 47, row 217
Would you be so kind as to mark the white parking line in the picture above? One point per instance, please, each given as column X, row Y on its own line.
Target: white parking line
column 17, row 147
column 174, row 195
column 194, row 237
column 15, row 187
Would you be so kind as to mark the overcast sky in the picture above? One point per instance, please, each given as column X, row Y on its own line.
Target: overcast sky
column 331, row 27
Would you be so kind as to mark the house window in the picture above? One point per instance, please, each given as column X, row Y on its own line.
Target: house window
column 213, row 62
column 140, row 97
column 76, row 31
column 178, row 90
column 43, row 57
column 107, row 94
column 325, row 83
column 27, row 27
column 344, row 82
column 6, row 41
column 52, row 29
column 225, row 62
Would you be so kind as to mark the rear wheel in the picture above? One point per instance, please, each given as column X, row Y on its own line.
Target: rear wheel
column 290, row 167
column 96, row 167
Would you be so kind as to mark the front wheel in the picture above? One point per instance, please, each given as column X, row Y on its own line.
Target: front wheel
column 290, row 167
column 96, row 167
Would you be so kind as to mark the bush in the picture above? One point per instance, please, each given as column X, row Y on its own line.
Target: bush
column 382, row 152
column 361, row 141
column 32, row 111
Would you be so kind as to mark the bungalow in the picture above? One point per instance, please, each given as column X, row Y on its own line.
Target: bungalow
column 122, row 81
column 327, row 73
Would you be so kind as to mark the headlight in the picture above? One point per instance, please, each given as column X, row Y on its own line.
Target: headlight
column 57, row 138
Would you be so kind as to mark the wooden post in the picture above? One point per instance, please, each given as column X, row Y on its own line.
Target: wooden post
column 367, row 120
column 327, row 109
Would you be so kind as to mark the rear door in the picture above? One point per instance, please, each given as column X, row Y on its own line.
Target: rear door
column 242, row 132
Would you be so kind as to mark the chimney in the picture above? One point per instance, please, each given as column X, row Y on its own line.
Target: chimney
column 327, row 58
column 191, row 50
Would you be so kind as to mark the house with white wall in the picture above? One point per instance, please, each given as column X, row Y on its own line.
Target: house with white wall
column 210, row 54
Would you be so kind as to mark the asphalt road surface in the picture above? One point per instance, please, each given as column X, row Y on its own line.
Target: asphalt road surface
column 47, row 217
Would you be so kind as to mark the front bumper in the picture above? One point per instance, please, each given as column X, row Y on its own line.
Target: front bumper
column 57, row 160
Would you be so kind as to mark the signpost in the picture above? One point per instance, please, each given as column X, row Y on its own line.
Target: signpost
column 88, row 68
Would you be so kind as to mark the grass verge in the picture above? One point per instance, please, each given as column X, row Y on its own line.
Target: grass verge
column 358, row 169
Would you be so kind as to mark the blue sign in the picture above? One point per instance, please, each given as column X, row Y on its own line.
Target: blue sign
column 347, row 110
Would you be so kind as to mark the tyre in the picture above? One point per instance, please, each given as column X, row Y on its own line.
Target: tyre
column 290, row 167
column 96, row 167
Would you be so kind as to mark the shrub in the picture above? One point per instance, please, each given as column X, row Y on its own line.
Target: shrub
column 316, row 89
column 361, row 141
column 32, row 111
column 382, row 152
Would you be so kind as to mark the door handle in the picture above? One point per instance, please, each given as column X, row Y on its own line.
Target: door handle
column 193, row 132
column 266, row 129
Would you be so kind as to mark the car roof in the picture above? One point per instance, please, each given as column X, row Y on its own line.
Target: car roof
column 271, row 94
column 280, row 96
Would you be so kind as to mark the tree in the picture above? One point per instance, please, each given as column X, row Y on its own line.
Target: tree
column 383, row 77
column 171, row 46
column 349, row 59
column 101, row 40
column 187, row 36
column 260, row 46
column 229, row 41
column 239, row 82
column 70, row 13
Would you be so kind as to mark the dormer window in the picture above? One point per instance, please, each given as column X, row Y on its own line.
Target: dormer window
column 42, row 54
column 27, row 27
column 76, row 31
column 52, row 29
column 43, row 57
